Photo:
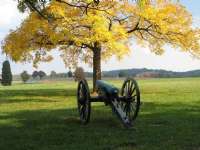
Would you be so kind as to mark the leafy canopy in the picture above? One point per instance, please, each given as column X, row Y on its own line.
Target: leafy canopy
column 75, row 27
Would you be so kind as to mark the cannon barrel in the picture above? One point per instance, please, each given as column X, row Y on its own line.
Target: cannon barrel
column 110, row 90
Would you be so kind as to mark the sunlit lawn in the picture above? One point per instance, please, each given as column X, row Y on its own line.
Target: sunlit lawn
column 43, row 116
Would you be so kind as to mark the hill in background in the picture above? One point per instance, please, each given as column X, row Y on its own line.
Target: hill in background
column 150, row 73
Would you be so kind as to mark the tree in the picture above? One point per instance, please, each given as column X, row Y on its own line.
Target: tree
column 79, row 74
column 41, row 74
column 35, row 74
column 24, row 76
column 92, row 31
column 70, row 74
column 6, row 74
column 122, row 74
column 53, row 74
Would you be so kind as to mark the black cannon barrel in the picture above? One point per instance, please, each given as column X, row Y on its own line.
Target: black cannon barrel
column 107, row 88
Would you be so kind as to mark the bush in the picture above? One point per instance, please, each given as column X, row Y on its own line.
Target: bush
column 6, row 74
column 41, row 74
column 35, row 74
column 25, row 76
column 79, row 74
column 70, row 75
column 53, row 74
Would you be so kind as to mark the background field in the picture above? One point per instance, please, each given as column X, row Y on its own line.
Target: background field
column 43, row 116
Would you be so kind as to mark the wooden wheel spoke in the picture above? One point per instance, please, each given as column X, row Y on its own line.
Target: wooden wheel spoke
column 124, row 107
column 81, row 88
column 132, row 91
column 133, row 108
column 81, row 112
column 126, row 89
column 128, row 112
column 130, row 88
column 133, row 98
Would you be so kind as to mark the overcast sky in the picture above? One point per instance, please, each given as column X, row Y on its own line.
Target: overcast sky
column 172, row 59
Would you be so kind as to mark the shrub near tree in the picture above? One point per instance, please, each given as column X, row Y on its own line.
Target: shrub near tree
column 6, row 74
column 79, row 74
column 25, row 76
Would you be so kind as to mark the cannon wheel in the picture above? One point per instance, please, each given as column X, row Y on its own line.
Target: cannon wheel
column 83, row 101
column 131, row 104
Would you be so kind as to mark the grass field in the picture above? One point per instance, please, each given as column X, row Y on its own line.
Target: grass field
column 44, row 116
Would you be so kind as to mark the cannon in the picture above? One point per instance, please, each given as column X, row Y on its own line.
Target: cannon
column 125, row 103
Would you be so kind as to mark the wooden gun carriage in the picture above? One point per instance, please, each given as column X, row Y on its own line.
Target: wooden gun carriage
column 125, row 104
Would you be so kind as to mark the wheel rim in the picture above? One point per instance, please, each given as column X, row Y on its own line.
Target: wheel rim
column 130, row 91
column 83, row 102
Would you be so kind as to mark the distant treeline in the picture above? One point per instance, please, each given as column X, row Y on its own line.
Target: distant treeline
column 154, row 73
column 146, row 73
column 141, row 73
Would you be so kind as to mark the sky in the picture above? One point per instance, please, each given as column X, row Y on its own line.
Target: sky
column 172, row 59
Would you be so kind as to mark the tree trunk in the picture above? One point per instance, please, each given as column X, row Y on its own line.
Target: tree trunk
column 96, row 65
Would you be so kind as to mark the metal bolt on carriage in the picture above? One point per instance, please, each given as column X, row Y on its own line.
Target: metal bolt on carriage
column 125, row 104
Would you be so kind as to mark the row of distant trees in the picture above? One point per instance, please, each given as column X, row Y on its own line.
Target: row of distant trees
column 7, row 77
column 53, row 74
column 25, row 76
column 78, row 74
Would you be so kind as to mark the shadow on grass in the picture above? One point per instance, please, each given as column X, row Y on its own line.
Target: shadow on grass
column 39, row 92
column 10, row 100
column 159, row 126
column 162, row 127
column 55, row 129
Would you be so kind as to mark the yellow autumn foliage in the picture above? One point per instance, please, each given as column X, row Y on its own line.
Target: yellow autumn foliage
column 112, row 24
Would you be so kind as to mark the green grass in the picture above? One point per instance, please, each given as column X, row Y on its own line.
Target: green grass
column 44, row 116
